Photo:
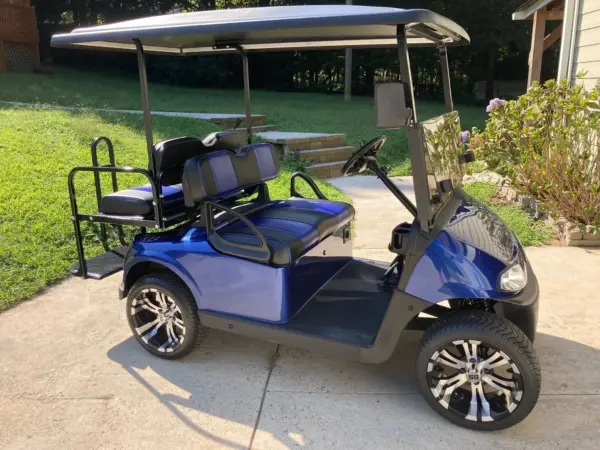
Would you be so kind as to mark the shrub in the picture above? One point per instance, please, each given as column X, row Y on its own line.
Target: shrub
column 547, row 143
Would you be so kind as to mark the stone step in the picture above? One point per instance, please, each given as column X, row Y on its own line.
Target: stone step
column 231, row 122
column 255, row 129
column 326, row 170
column 290, row 141
column 324, row 155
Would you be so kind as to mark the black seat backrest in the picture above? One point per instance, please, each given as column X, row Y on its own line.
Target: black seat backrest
column 225, row 140
column 223, row 174
column 171, row 155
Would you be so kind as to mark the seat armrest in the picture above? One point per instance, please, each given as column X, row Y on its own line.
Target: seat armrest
column 259, row 253
column 311, row 183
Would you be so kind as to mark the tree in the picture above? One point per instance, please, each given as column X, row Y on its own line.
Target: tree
column 498, row 50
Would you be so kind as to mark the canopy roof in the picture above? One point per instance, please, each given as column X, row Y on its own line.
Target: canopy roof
column 270, row 29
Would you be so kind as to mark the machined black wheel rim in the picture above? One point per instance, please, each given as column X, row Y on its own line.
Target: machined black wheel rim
column 158, row 320
column 475, row 381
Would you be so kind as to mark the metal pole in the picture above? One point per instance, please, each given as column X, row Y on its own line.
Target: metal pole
column 405, row 73
column 415, row 142
column 348, row 70
column 247, row 92
column 382, row 175
column 145, row 105
column 446, row 79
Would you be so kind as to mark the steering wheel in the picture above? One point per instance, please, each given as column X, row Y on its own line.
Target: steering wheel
column 358, row 162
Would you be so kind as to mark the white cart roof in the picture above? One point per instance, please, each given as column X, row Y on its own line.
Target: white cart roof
column 270, row 29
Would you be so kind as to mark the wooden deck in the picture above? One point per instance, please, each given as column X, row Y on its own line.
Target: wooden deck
column 19, row 36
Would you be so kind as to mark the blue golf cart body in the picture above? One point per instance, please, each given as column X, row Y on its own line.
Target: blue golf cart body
column 225, row 255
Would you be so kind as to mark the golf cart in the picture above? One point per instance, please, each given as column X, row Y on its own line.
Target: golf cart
column 225, row 255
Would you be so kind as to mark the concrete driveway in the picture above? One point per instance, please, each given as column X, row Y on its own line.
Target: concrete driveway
column 72, row 377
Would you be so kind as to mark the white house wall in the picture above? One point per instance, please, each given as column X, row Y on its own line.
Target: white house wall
column 586, row 56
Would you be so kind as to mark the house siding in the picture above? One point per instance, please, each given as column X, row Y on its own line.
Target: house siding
column 586, row 55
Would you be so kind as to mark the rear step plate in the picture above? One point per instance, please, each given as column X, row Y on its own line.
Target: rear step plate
column 103, row 265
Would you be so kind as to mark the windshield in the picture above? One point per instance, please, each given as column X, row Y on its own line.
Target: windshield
column 442, row 146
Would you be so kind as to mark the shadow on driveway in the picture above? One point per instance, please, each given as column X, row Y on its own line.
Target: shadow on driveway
column 206, row 377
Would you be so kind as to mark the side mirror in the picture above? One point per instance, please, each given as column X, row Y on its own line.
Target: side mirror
column 390, row 106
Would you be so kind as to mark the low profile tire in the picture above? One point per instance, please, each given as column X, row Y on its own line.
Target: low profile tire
column 478, row 370
column 163, row 316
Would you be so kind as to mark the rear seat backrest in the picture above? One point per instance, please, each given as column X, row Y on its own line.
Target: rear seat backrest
column 221, row 174
column 171, row 155
column 225, row 140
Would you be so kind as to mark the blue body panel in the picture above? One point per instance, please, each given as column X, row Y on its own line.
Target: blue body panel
column 466, row 257
column 235, row 286
column 464, row 260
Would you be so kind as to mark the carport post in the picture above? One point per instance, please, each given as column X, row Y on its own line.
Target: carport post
column 446, row 79
column 246, row 68
column 145, row 104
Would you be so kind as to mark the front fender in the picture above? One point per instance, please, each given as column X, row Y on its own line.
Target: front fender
column 452, row 269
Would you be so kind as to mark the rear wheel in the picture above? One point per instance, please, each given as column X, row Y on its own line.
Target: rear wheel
column 478, row 370
column 163, row 316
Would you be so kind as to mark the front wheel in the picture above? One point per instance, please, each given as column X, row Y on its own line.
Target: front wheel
column 478, row 370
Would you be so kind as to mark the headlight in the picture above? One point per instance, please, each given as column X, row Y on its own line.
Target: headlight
column 513, row 279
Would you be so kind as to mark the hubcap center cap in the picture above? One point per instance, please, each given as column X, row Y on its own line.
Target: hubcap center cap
column 166, row 315
column 473, row 373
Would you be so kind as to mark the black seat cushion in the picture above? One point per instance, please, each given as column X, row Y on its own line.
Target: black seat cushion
column 291, row 227
column 326, row 216
column 137, row 201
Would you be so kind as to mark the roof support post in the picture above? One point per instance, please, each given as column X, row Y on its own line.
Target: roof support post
column 405, row 73
column 246, row 70
column 141, row 59
column 415, row 148
column 537, row 47
column 348, row 70
column 446, row 79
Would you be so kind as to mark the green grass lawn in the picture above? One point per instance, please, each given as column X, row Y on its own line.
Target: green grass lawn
column 288, row 111
column 529, row 231
column 39, row 147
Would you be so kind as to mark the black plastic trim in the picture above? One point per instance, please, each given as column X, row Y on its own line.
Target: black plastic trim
column 403, row 308
column 260, row 253
column 522, row 309
column 311, row 183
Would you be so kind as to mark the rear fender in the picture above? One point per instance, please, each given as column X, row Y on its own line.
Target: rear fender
column 163, row 260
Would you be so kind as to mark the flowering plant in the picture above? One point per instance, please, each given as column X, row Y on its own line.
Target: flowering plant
column 546, row 142
column 464, row 136
column 495, row 104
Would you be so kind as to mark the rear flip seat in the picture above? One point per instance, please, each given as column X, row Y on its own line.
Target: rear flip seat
column 137, row 201
column 169, row 157
column 290, row 227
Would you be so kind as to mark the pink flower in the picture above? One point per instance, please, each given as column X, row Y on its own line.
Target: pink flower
column 495, row 104
column 464, row 136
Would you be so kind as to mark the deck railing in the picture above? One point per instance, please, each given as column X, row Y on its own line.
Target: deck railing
column 17, row 22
